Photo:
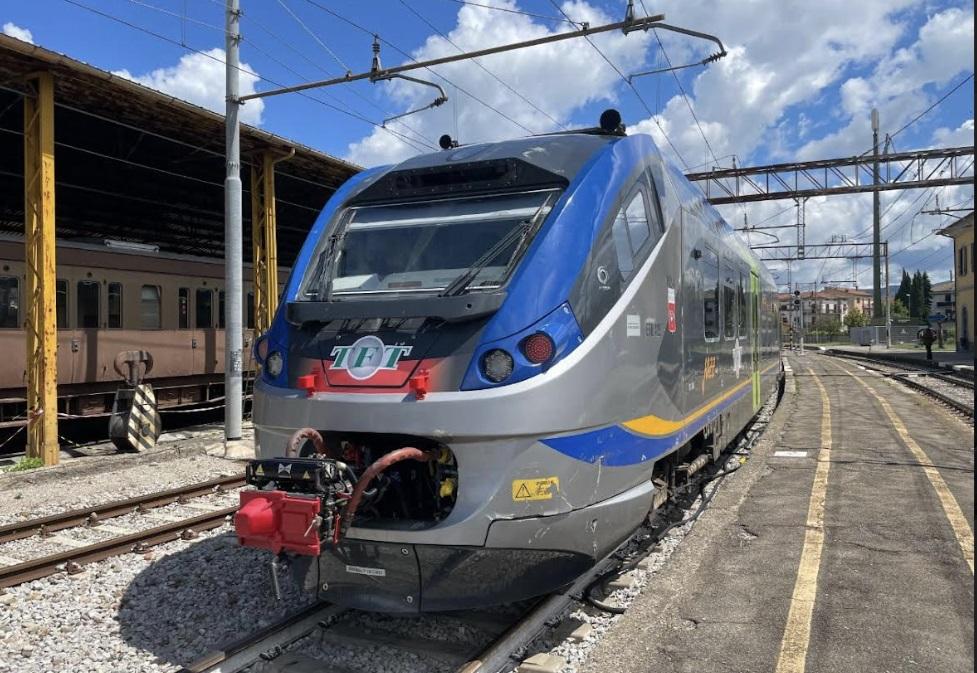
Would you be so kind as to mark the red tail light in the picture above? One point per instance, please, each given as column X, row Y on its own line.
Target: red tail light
column 538, row 348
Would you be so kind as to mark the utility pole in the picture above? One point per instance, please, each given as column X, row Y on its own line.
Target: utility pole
column 233, row 234
column 876, row 228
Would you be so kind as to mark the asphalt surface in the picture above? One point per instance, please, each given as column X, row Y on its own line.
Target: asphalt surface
column 893, row 588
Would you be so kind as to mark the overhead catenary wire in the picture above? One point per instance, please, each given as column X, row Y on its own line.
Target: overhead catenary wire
column 634, row 89
column 512, row 10
column 406, row 55
column 353, row 114
column 482, row 67
column 315, row 37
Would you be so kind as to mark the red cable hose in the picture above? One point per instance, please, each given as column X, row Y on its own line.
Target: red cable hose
column 299, row 437
column 381, row 464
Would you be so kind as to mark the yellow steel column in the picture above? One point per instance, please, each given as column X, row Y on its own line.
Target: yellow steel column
column 264, row 239
column 40, row 323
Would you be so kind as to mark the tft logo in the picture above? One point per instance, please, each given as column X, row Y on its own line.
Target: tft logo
column 367, row 356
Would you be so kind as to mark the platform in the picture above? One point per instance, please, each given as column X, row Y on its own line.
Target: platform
column 844, row 544
column 950, row 359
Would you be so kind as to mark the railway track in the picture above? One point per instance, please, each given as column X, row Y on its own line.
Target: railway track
column 75, row 553
column 955, row 390
column 496, row 640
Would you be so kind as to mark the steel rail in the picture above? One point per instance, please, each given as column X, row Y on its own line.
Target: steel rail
column 134, row 542
column 904, row 378
column 89, row 515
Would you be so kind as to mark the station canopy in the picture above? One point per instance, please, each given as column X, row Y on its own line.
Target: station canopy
column 133, row 164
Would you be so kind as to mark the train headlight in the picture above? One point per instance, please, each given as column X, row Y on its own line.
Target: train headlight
column 274, row 364
column 538, row 348
column 497, row 365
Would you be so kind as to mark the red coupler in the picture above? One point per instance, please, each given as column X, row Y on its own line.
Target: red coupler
column 278, row 521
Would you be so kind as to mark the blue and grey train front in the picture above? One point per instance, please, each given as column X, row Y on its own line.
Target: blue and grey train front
column 427, row 345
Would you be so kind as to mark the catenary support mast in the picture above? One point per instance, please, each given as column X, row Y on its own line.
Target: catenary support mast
column 233, row 235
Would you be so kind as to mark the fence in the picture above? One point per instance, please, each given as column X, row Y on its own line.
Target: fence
column 875, row 335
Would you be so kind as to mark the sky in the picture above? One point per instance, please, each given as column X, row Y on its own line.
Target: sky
column 799, row 82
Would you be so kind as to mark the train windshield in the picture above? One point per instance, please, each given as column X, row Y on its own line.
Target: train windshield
column 446, row 246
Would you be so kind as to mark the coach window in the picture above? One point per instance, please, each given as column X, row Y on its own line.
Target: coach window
column 149, row 307
column 729, row 303
column 183, row 307
column 741, row 297
column 115, row 305
column 205, row 308
column 61, row 303
column 9, row 301
column 709, row 263
column 88, row 292
column 220, row 310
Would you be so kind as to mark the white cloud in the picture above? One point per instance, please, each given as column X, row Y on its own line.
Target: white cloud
column 199, row 79
column 558, row 78
column 958, row 137
column 22, row 34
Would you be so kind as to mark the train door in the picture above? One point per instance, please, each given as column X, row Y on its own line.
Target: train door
column 755, row 337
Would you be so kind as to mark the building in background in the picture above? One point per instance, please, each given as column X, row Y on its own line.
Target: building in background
column 818, row 308
column 943, row 301
column 962, row 233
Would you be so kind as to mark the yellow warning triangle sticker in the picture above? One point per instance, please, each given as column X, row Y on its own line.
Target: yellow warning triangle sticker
column 522, row 492
column 260, row 471
column 306, row 475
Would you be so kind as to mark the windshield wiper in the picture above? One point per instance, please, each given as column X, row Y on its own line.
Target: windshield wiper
column 459, row 284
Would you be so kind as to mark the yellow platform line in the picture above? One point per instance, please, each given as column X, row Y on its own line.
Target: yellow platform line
column 797, row 631
column 959, row 523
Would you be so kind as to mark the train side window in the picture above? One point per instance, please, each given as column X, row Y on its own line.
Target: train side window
column 741, row 296
column 710, row 294
column 250, row 310
column 622, row 245
column 115, row 305
column 205, row 308
column 729, row 303
column 61, row 303
column 149, row 307
column 220, row 310
column 183, row 307
column 9, row 301
column 88, row 293
column 637, row 217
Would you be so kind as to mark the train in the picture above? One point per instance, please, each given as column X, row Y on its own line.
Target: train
column 113, row 296
column 492, row 363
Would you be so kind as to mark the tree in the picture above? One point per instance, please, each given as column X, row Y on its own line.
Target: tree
column 927, row 296
column 916, row 296
column 899, row 310
column 831, row 327
column 904, row 289
column 856, row 318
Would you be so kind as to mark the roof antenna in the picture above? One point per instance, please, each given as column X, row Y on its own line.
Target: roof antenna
column 377, row 74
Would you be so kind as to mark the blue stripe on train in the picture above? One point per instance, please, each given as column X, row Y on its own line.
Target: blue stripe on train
column 616, row 446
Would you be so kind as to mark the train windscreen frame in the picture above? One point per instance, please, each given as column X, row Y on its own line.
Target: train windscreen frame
column 437, row 246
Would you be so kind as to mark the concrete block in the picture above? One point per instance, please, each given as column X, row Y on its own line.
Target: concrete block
column 625, row 581
column 542, row 663
column 239, row 450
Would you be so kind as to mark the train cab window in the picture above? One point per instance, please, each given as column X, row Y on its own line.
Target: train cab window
column 709, row 263
column 220, row 310
column 61, row 303
column 205, row 309
column 88, row 293
column 249, row 309
column 149, row 307
column 729, row 303
column 183, row 307
column 9, row 301
column 115, row 305
column 631, row 232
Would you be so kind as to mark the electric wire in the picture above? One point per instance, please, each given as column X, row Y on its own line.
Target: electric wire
column 482, row 67
column 288, row 45
column 182, row 17
column 413, row 60
column 315, row 37
column 512, row 10
column 633, row 88
column 410, row 142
